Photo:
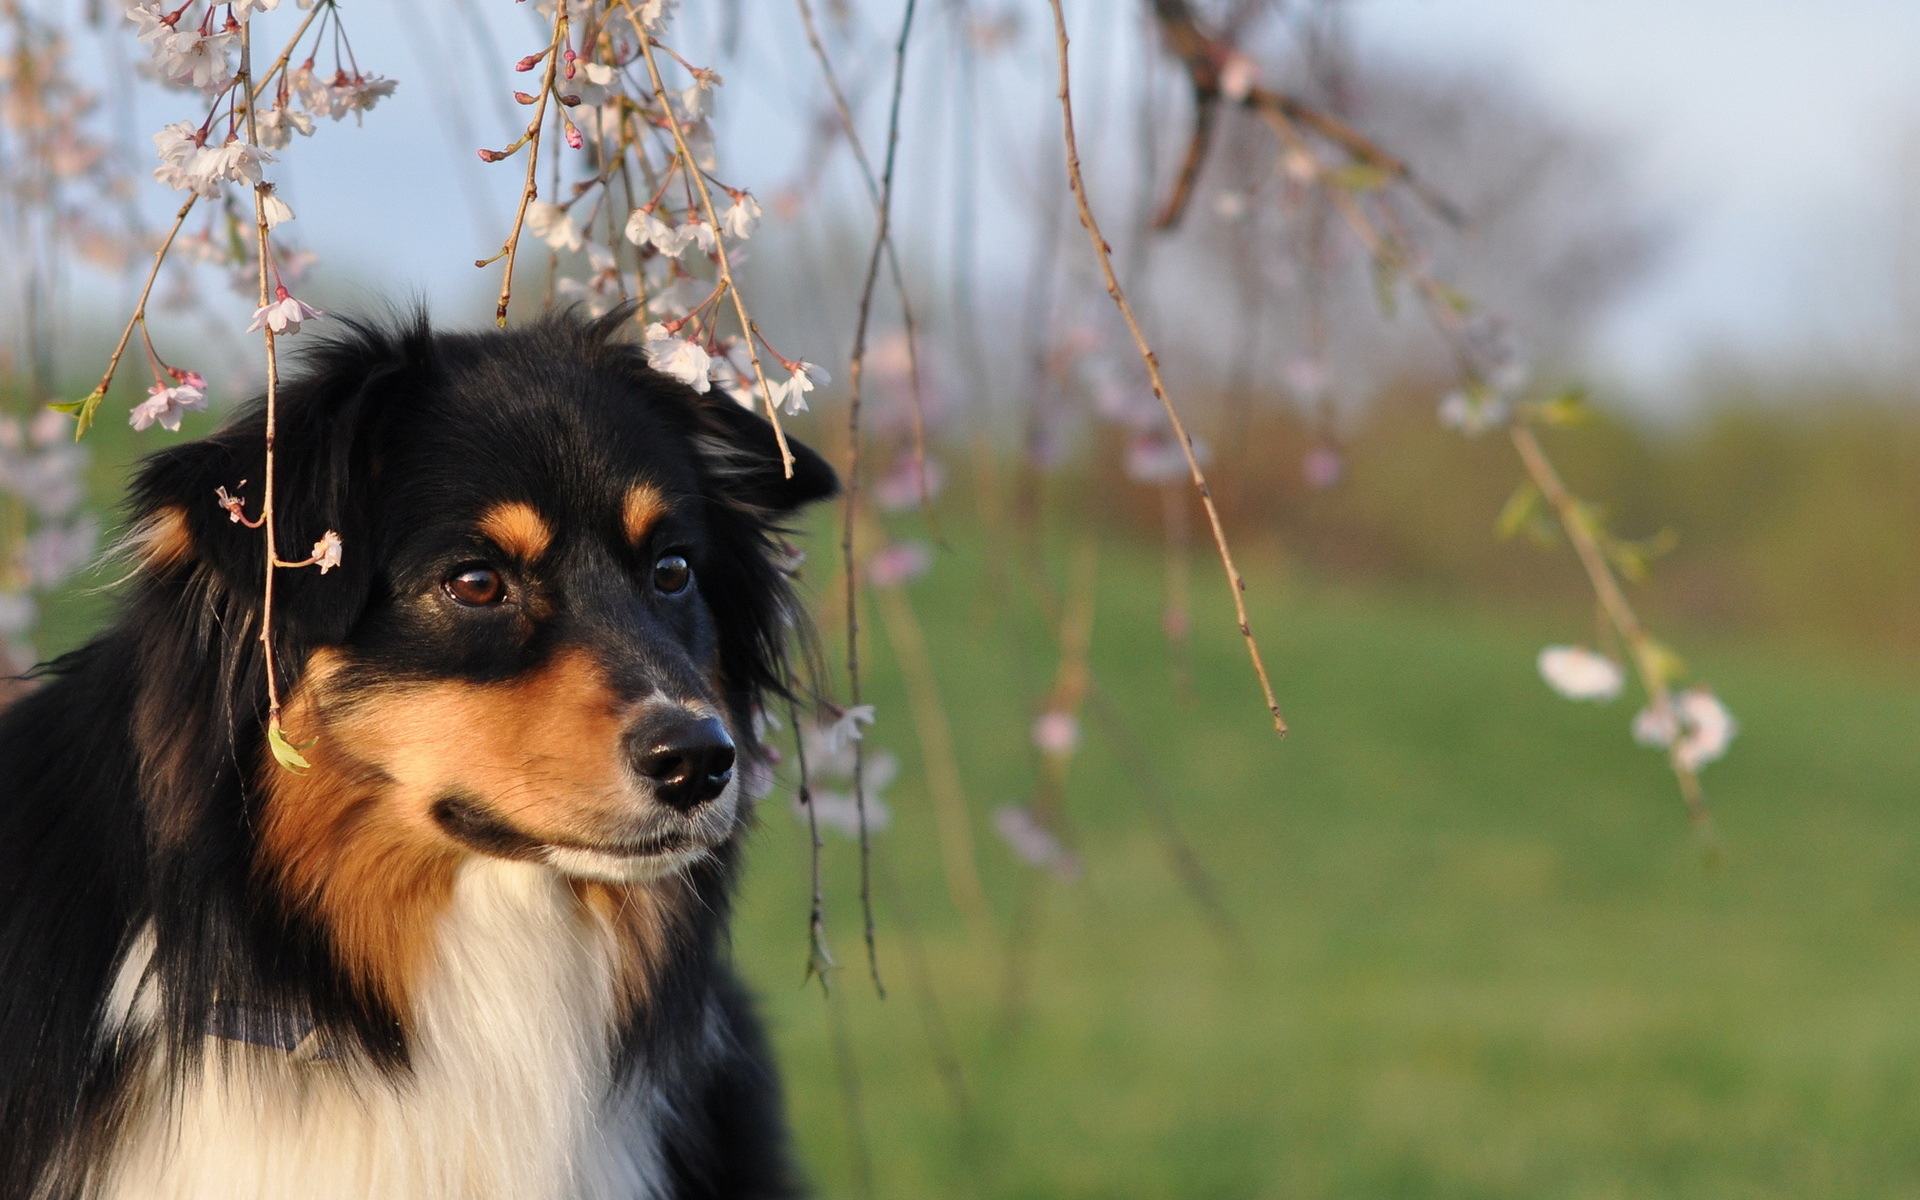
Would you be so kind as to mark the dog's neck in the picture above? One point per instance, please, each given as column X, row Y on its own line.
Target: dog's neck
column 510, row 1092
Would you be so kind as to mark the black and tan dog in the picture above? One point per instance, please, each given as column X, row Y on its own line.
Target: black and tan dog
column 478, row 950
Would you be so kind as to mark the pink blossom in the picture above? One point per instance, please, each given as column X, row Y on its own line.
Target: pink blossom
column 1322, row 467
column 1056, row 732
column 326, row 552
column 165, row 405
column 1698, row 727
column 1033, row 843
column 901, row 562
column 899, row 489
column 284, row 315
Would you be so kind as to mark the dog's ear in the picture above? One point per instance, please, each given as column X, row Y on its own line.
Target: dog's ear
column 744, row 455
column 329, row 415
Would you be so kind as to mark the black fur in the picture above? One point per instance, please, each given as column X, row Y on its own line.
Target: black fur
column 131, row 776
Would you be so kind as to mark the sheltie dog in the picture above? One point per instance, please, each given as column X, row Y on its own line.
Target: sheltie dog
column 478, row 949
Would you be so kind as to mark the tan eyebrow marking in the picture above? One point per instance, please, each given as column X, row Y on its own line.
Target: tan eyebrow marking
column 643, row 507
column 517, row 529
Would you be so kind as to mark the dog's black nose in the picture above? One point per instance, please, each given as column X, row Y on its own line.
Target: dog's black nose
column 688, row 758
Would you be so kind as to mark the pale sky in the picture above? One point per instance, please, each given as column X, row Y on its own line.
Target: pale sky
column 1768, row 130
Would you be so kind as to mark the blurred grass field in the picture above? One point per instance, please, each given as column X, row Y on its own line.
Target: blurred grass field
column 1479, row 954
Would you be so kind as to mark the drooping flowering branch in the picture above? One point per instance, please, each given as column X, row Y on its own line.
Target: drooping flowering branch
column 1692, row 732
column 1237, row 583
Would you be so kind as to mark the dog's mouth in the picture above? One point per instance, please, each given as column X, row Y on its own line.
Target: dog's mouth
column 474, row 825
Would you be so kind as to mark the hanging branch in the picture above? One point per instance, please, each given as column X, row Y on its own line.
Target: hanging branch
column 1101, row 251
column 847, row 126
column 748, row 329
column 856, row 368
column 820, row 962
column 531, row 139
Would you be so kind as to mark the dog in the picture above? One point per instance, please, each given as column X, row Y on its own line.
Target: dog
column 477, row 948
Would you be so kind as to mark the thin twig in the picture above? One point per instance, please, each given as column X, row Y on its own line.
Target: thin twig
column 1101, row 251
column 531, row 187
column 857, row 364
column 859, row 149
column 1646, row 656
column 263, row 246
column 819, row 957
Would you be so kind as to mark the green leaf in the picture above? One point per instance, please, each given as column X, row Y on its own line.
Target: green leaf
column 1519, row 510
column 1360, row 177
column 287, row 753
column 1666, row 665
column 1568, row 409
column 81, row 410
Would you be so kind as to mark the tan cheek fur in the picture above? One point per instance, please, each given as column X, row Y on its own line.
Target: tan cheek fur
column 353, row 839
column 161, row 541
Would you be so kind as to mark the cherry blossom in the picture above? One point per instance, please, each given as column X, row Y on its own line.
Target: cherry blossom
column 900, row 488
column 201, row 60
column 553, row 225
column 793, row 392
column 1704, row 728
column 741, row 216
column 644, row 227
column 1033, row 843
column 1580, row 674
column 1322, row 467
column 165, row 405
column 1056, row 732
column 677, row 357
column 283, row 315
column 273, row 206
column 901, row 562
column 277, row 125
column 845, row 730
column 326, row 551
column 1473, row 411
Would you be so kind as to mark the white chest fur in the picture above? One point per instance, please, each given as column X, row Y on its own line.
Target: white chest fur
column 509, row 1098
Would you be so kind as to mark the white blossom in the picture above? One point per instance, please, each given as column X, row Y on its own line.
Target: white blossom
column 242, row 9
column 283, row 315
column 696, row 232
column 644, row 227
column 793, row 392
column 165, row 405
column 1580, row 674
column 276, row 126
column 326, row 552
column 187, row 56
column 274, row 207
column 677, row 357
column 151, row 19
column 839, row 812
column 653, row 13
column 845, row 730
column 1473, row 413
column 1705, row 728
column 741, row 216
column 553, row 225
column 1033, row 843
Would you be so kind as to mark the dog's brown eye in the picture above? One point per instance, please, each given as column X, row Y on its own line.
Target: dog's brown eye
column 671, row 574
column 477, row 587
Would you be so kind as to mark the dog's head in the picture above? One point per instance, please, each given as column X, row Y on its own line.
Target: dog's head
column 561, row 592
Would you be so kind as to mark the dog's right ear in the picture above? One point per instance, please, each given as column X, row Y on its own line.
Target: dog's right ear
column 196, row 505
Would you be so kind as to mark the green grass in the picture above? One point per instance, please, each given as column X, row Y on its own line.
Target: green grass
column 1479, row 953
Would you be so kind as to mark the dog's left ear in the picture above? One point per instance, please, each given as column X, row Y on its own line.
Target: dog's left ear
column 329, row 418
column 744, row 456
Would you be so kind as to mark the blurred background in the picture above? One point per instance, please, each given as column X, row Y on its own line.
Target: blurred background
column 1452, row 935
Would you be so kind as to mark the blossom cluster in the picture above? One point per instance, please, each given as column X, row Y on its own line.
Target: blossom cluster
column 1694, row 725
